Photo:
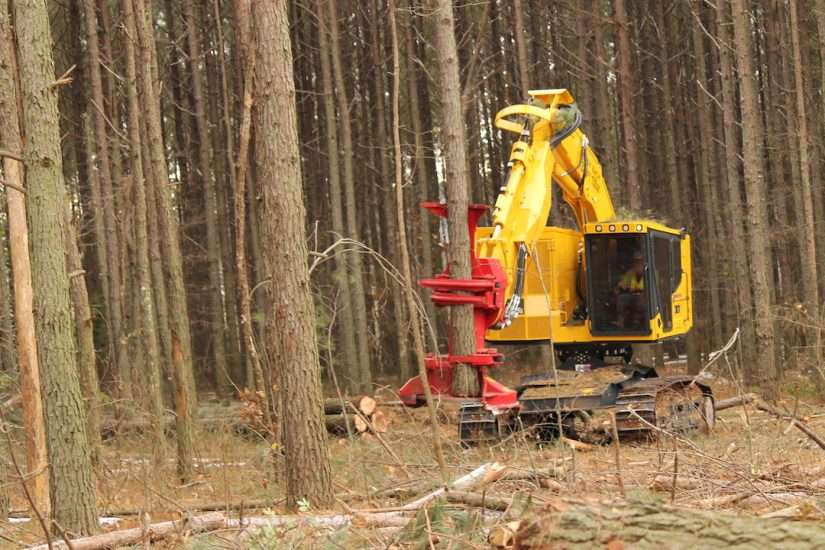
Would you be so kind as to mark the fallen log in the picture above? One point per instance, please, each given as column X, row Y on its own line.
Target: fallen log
column 503, row 536
column 366, row 404
column 156, row 531
column 380, row 422
column 479, row 500
column 750, row 398
column 481, row 476
column 737, row 401
column 645, row 525
column 337, row 424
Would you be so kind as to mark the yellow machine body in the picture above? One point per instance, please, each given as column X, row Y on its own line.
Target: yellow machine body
column 562, row 284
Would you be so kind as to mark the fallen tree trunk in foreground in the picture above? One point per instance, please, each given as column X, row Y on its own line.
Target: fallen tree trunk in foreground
column 136, row 535
column 648, row 525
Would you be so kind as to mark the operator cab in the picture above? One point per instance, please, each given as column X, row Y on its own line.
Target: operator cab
column 634, row 279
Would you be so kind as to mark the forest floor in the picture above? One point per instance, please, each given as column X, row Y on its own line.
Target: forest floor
column 753, row 464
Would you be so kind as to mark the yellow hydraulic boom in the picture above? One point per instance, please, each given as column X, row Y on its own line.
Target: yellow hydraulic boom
column 550, row 291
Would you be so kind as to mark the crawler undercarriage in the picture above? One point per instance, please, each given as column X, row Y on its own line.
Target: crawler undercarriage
column 580, row 406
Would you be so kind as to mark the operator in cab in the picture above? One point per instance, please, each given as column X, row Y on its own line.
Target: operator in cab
column 630, row 301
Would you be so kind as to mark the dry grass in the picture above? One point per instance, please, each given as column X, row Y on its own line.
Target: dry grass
column 752, row 464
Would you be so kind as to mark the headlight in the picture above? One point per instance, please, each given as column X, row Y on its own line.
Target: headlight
column 638, row 227
column 612, row 227
column 598, row 229
column 625, row 227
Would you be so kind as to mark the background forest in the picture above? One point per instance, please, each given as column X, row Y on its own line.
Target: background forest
column 708, row 115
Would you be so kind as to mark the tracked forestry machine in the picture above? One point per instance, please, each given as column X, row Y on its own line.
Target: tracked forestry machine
column 591, row 293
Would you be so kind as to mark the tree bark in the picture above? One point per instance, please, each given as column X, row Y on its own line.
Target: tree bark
column 254, row 371
column 28, row 364
column 70, row 469
column 756, row 212
column 805, row 225
column 737, row 229
column 295, row 348
column 461, row 329
column 181, row 357
column 102, row 190
column 216, row 313
column 84, row 333
column 521, row 47
column 364, row 383
column 657, row 526
column 346, row 327
column 148, row 333
column 406, row 269
column 628, row 112
column 8, row 358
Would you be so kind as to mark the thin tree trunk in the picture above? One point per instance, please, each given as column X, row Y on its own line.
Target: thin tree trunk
column 626, row 95
column 521, row 47
column 70, row 469
column 224, row 196
column 756, row 212
column 148, row 332
column 254, row 374
column 406, row 270
column 708, row 170
column 8, row 358
column 422, row 176
column 359, row 304
column 279, row 172
column 346, row 327
column 105, row 223
column 216, row 316
column 738, row 235
column 805, row 225
column 28, row 364
column 178, row 315
column 84, row 334
column 461, row 330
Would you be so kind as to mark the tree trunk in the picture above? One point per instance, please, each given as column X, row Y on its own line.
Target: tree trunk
column 28, row 364
column 84, row 334
column 346, row 327
column 707, row 171
column 521, row 48
column 216, row 314
column 8, row 359
column 105, row 225
column 422, row 175
column 756, row 212
column 658, row 526
column 295, row 348
column 148, row 333
column 356, row 270
column 805, row 225
column 168, row 224
column 731, row 133
column 401, row 333
column 626, row 95
column 461, row 329
column 70, row 469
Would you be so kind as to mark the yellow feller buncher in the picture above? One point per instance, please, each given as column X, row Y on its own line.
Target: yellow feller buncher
column 593, row 291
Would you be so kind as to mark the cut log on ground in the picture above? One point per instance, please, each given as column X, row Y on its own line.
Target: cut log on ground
column 136, row 535
column 479, row 500
column 380, row 422
column 364, row 403
column 478, row 478
column 337, row 424
column 637, row 525
column 737, row 401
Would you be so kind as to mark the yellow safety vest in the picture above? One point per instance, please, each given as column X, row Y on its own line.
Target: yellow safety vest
column 631, row 283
